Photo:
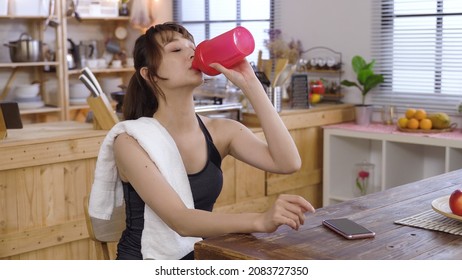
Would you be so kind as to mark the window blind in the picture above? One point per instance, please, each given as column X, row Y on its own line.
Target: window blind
column 417, row 45
column 206, row 19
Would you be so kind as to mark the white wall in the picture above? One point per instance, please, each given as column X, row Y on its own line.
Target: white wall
column 344, row 26
column 161, row 11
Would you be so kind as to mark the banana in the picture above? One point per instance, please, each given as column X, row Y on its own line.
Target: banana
column 440, row 120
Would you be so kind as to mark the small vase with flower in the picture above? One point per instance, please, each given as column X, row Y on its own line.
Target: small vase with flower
column 364, row 179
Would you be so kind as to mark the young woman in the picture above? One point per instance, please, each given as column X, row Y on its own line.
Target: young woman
column 162, row 89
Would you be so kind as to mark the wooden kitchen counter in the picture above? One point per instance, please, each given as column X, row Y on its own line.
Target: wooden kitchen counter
column 45, row 172
column 377, row 211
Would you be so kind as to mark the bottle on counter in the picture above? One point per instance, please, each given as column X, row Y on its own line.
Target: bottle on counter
column 227, row 49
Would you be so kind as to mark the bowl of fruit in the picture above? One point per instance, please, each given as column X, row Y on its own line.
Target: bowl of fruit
column 419, row 121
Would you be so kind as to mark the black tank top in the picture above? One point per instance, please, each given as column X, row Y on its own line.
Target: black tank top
column 205, row 185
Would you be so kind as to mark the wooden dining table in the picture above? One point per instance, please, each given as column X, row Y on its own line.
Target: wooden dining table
column 377, row 212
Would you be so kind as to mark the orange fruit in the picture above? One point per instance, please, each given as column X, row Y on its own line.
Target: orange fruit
column 420, row 114
column 402, row 122
column 425, row 124
column 413, row 123
column 410, row 113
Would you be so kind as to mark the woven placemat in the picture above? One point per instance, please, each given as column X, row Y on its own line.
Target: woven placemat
column 434, row 221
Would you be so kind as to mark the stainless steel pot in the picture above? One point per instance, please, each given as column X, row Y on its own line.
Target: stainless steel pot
column 25, row 49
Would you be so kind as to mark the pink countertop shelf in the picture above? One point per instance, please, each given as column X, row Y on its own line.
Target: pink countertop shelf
column 456, row 134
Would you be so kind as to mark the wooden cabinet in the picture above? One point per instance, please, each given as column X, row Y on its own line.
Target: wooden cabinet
column 45, row 173
column 398, row 158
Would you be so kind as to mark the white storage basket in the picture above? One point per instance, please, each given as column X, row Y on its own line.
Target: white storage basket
column 102, row 8
column 3, row 7
column 29, row 8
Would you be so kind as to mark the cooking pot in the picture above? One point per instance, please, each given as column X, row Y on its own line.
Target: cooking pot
column 73, row 56
column 25, row 49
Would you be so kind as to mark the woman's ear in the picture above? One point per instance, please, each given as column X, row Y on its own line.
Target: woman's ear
column 144, row 73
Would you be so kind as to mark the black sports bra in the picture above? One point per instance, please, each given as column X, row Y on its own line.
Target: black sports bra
column 205, row 185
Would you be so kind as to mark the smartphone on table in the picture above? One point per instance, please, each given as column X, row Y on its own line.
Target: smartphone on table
column 348, row 228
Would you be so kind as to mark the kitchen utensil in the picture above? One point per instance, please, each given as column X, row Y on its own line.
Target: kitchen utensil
column 116, row 64
column 113, row 46
column 441, row 206
column 72, row 10
column 118, row 96
column 275, row 96
column 279, row 66
column 267, row 66
column 111, row 84
column 286, row 74
column 6, row 89
column 92, row 63
column 87, row 72
column 78, row 91
column 121, row 32
column 25, row 49
column 73, row 56
column 259, row 61
column 89, row 85
column 26, row 90
column 49, row 21
column 88, row 49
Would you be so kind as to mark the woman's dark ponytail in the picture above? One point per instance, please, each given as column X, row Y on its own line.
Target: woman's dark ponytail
column 139, row 100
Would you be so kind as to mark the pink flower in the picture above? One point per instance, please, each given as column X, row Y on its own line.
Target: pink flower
column 363, row 174
column 361, row 181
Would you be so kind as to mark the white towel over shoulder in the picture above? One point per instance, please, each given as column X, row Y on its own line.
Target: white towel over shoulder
column 158, row 241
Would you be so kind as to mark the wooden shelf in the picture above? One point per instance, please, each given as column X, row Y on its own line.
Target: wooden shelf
column 42, row 110
column 118, row 18
column 79, row 107
column 27, row 64
column 24, row 17
column 324, row 71
column 103, row 70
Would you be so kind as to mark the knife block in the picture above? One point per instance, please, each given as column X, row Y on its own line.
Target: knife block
column 104, row 116
column 3, row 132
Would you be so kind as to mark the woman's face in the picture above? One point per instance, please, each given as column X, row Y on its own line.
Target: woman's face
column 177, row 57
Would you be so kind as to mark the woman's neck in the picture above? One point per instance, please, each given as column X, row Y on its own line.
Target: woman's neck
column 177, row 114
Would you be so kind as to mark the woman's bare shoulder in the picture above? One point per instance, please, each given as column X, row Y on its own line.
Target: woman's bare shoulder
column 221, row 124
column 124, row 145
column 124, row 139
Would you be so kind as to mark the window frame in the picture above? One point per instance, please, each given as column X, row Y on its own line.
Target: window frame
column 177, row 7
column 384, row 94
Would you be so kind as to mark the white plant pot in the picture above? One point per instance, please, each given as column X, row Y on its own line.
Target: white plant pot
column 363, row 114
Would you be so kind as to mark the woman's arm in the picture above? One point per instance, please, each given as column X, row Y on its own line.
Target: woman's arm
column 135, row 166
column 279, row 154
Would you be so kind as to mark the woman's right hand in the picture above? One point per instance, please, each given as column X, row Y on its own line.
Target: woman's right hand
column 287, row 210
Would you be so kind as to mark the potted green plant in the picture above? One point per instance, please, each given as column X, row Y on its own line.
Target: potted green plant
column 366, row 81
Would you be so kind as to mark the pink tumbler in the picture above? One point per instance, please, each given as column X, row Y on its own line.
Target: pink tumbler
column 227, row 49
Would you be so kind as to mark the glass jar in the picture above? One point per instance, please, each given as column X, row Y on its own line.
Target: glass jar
column 388, row 114
column 123, row 10
column 364, row 178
